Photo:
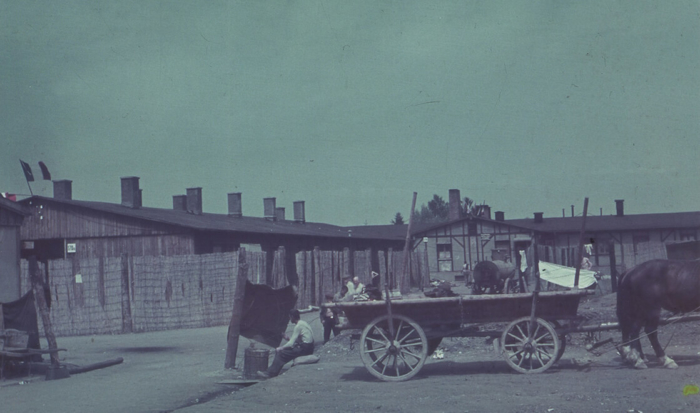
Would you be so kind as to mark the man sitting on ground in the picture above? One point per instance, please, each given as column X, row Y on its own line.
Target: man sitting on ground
column 300, row 344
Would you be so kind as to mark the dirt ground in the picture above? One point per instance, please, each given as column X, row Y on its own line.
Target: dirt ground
column 181, row 371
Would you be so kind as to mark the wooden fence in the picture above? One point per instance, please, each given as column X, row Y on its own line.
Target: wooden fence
column 150, row 293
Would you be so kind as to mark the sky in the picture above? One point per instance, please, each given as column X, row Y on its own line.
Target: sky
column 528, row 106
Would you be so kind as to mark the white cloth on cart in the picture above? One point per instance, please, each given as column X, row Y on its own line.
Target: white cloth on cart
column 564, row 276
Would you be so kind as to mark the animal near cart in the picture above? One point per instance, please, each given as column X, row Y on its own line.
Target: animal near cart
column 399, row 335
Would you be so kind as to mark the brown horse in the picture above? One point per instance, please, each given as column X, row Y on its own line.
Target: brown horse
column 643, row 291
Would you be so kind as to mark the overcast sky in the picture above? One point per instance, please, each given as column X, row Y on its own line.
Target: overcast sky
column 352, row 106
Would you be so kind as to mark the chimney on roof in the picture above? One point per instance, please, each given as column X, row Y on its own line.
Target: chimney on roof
column 131, row 194
column 539, row 217
column 500, row 216
column 299, row 213
column 620, row 206
column 235, row 205
column 180, row 203
column 279, row 214
column 485, row 211
column 455, row 205
column 269, row 207
column 572, row 210
column 63, row 189
column 194, row 201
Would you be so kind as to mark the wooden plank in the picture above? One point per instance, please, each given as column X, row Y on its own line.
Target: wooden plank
column 234, row 327
column 38, row 287
column 318, row 279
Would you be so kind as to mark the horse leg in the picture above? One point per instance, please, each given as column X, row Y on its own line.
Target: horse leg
column 636, row 356
column 653, row 334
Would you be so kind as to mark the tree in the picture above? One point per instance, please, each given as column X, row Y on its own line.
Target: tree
column 437, row 210
column 398, row 219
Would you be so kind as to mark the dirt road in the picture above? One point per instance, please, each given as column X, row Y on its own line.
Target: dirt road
column 181, row 370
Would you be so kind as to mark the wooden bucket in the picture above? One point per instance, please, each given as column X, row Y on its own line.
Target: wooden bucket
column 256, row 359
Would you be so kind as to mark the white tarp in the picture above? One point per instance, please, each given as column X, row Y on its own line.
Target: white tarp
column 564, row 276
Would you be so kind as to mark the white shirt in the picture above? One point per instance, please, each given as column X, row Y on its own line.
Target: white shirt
column 352, row 289
column 301, row 329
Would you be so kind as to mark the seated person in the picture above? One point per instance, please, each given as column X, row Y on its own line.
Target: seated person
column 301, row 343
column 355, row 286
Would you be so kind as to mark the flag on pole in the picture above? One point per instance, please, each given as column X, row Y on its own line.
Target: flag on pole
column 27, row 171
column 45, row 171
column 7, row 195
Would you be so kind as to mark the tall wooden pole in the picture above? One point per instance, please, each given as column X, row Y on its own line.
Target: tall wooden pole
column 405, row 284
column 579, row 257
column 234, row 327
column 38, row 288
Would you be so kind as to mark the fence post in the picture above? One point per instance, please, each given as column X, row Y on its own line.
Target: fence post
column 38, row 288
column 127, row 321
column 613, row 267
column 234, row 327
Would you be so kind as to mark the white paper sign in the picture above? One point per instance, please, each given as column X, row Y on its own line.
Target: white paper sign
column 78, row 279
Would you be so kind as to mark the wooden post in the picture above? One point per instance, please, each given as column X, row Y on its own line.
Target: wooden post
column 613, row 266
column 38, row 288
column 127, row 321
column 536, row 262
column 404, row 284
column 579, row 256
column 234, row 327
column 318, row 279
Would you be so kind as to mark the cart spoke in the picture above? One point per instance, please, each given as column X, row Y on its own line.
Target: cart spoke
column 381, row 333
column 405, row 351
column 380, row 359
column 376, row 341
column 406, row 336
column 522, row 334
column 517, row 338
column 406, row 362
column 536, row 330
column 543, row 353
column 398, row 330
column 374, row 350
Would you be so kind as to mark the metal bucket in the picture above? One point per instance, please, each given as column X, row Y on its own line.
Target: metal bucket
column 255, row 360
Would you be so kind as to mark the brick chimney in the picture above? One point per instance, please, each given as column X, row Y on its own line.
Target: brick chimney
column 279, row 214
column 500, row 216
column 620, row 207
column 235, row 204
column 455, row 205
column 131, row 194
column 539, row 217
column 194, row 201
column 63, row 189
column 269, row 207
column 299, row 213
column 180, row 203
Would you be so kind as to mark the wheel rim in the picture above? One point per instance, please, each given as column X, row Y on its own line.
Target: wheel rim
column 530, row 350
column 394, row 357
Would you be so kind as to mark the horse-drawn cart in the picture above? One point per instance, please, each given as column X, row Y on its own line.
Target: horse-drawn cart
column 399, row 335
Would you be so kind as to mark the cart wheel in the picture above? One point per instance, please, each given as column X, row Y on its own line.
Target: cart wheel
column 530, row 350
column 396, row 357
